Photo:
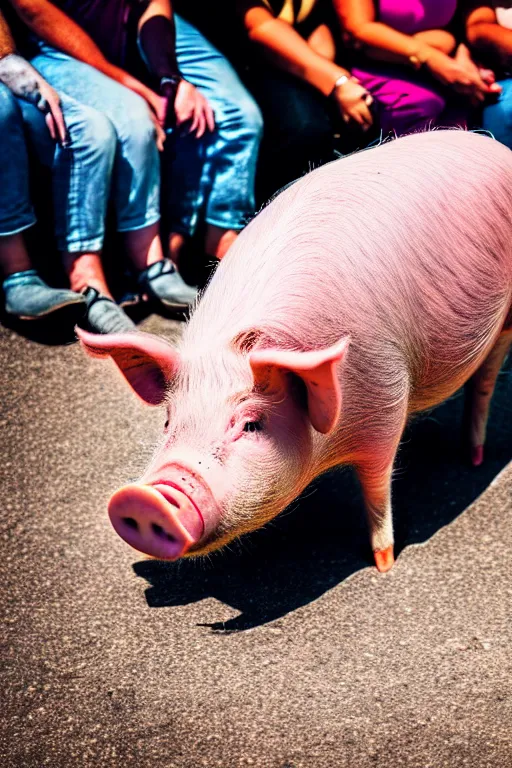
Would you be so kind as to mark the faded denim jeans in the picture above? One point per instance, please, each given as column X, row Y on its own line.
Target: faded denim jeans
column 123, row 136
column 212, row 178
column 497, row 117
column 75, row 171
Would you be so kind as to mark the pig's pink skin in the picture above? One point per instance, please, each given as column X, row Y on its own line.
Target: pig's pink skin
column 477, row 455
column 231, row 462
column 132, row 352
column 158, row 520
column 178, row 472
column 404, row 249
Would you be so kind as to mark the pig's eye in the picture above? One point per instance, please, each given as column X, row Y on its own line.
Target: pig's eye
column 166, row 424
column 253, row 426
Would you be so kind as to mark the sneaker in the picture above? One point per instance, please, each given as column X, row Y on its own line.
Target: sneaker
column 103, row 315
column 163, row 284
column 28, row 297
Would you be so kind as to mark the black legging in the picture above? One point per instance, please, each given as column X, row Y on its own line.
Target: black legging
column 299, row 133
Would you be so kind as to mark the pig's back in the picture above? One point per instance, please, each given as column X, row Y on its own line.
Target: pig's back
column 406, row 247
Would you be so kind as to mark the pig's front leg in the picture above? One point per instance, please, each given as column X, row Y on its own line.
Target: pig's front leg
column 376, row 487
column 374, row 469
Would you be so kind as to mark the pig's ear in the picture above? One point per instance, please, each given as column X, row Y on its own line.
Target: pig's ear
column 146, row 362
column 318, row 369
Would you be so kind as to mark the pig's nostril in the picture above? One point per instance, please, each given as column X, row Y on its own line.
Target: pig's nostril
column 131, row 523
column 159, row 531
column 162, row 523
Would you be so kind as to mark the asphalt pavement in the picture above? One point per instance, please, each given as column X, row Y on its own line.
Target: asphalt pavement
column 288, row 650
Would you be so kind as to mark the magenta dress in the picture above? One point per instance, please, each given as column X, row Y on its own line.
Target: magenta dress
column 406, row 100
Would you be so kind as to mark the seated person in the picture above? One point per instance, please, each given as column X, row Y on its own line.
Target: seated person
column 214, row 175
column 129, row 131
column 410, row 62
column 489, row 32
column 211, row 177
column 25, row 100
column 305, row 95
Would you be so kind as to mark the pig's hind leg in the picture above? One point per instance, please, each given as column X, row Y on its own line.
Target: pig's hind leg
column 479, row 391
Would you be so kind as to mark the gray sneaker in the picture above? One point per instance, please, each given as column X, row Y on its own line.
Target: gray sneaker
column 28, row 297
column 104, row 315
column 163, row 284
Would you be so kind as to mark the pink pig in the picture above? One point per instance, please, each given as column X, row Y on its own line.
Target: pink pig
column 370, row 290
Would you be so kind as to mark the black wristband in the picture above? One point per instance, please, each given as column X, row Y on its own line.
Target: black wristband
column 157, row 39
column 169, row 85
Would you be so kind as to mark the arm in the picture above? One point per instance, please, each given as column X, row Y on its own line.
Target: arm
column 52, row 25
column 438, row 38
column 487, row 36
column 6, row 41
column 357, row 18
column 157, row 39
column 26, row 83
column 283, row 45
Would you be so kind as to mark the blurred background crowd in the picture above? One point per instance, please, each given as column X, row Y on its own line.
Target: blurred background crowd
column 138, row 137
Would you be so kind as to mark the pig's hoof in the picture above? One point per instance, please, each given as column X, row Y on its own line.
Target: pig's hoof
column 384, row 559
column 477, row 455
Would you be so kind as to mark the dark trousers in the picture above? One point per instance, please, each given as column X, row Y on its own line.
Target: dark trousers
column 299, row 129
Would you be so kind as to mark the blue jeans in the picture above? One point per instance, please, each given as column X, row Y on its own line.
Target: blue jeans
column 16, row 212
column 497, row 118
column 125, row 132
column 213, row 177
column 73, row 181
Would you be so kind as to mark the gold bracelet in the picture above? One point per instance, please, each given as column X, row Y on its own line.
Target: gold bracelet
column 418, row 59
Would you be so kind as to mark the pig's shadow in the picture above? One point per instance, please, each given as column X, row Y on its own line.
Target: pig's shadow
column 322, row 538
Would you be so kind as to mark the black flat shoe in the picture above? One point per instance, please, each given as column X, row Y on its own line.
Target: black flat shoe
column 103, row 315
column 164, row 285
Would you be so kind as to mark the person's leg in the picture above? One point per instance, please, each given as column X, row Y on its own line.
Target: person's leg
column 497, row 117
column 81, row 183
column 16, row 212
column 135, row 184
column 13, row 253
column 81, row 175
column 26, row 294
column 183, row 165
column 299, row 133
column 232, row 151
column 136, row 173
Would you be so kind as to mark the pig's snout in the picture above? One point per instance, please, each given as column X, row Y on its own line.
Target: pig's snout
column 160, row 521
